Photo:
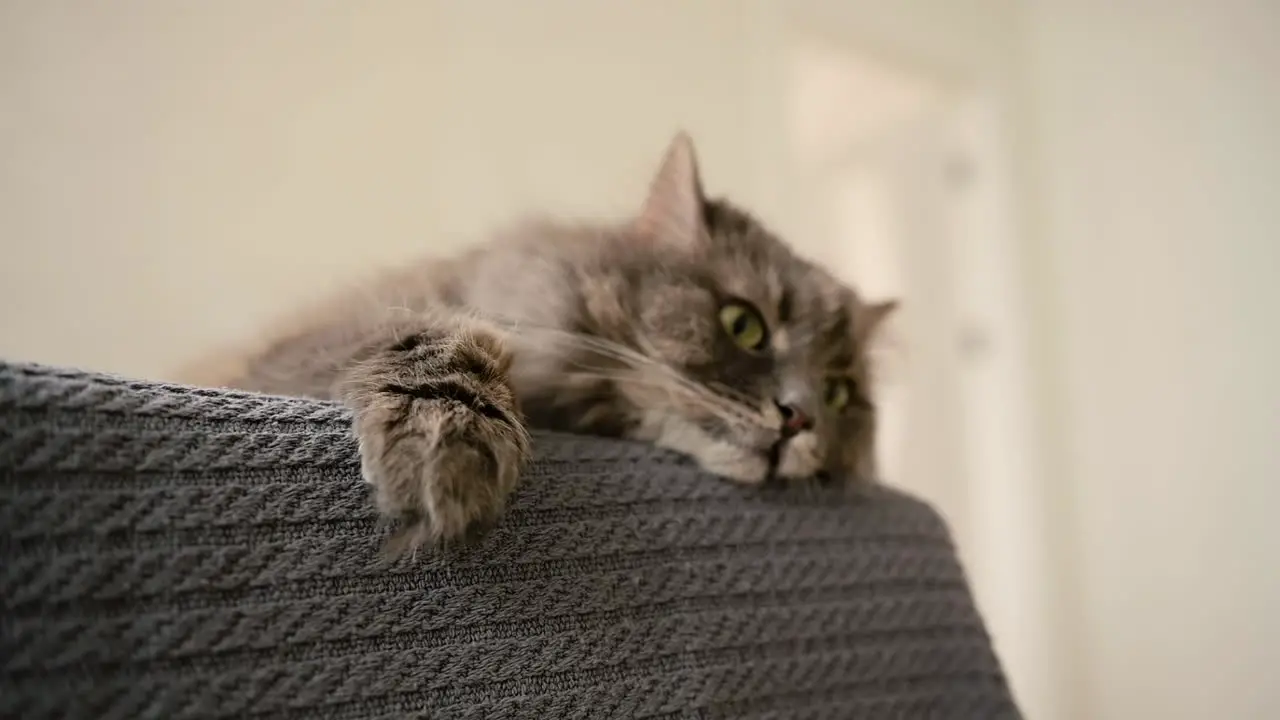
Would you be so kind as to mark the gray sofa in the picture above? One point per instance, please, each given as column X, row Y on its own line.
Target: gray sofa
column 173, row 552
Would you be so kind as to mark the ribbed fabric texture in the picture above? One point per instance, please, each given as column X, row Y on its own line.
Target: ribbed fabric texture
column 170, row 552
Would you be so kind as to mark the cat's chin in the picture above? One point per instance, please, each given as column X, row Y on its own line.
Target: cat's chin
column 713, row 453
column 735, row 463
column 798, row 457
column 789, row 459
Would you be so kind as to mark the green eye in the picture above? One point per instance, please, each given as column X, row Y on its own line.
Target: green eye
column 837, row 393
column 744, row 325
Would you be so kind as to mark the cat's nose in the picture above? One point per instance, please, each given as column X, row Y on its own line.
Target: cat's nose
column 794, row 419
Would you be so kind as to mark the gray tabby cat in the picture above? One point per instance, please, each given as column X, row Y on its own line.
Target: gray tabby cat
column 690, row 326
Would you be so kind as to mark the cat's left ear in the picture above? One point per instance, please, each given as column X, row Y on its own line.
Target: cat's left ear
column 672, row 211
column 872, row 316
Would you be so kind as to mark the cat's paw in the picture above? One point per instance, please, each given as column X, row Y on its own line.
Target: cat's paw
column 441, row 437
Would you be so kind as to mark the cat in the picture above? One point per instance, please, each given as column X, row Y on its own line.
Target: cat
column 690, row 326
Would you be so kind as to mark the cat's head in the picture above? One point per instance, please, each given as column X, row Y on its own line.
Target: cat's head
column 768, row 352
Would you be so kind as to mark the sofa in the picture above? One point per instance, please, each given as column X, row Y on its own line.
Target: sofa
column 180, row 552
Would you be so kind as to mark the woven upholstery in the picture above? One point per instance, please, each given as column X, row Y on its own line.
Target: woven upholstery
column 170, row 552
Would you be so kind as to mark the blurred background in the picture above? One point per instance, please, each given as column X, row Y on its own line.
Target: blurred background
column 1078, row 200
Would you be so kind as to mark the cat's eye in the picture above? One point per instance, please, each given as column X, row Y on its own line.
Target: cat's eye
column 837, row 393
column 744, row 324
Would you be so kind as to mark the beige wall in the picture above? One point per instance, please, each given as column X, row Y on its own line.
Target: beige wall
column 1160, row 155
column 173, row 172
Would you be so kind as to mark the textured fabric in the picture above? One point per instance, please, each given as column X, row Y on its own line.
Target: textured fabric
column 170, row 552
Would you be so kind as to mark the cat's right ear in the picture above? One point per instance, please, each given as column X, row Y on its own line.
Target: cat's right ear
column 672, row 211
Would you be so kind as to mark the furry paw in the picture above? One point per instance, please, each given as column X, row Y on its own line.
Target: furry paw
column 441, row 437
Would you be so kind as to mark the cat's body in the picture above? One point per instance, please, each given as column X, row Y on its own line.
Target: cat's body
column 690, row 326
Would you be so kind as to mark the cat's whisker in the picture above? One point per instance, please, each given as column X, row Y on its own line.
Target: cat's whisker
column 604, row 348
column 640, row 362
column 737, row 407
column 731, row 416
column 682, row 389
column 733, row 393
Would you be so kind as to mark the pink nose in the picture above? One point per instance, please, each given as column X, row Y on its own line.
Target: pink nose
column 794, row 419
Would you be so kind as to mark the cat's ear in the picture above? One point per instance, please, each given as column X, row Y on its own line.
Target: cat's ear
column 872, row 316
column 672, row 211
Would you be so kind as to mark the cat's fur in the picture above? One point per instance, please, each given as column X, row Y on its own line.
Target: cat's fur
column 608, row 330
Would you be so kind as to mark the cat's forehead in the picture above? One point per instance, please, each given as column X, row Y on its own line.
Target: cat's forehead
column 755, row 264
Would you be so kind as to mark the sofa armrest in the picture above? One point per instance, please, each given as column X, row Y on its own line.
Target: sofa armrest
column 177, row 552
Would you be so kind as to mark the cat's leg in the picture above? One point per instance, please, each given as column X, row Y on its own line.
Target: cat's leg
column 441, row 436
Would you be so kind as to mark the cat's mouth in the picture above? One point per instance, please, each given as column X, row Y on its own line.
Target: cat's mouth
column 750, row 455
column 795, row 457
column 774, row 457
